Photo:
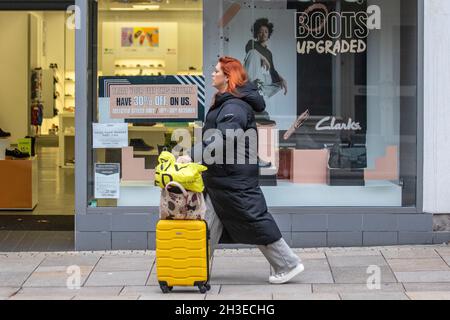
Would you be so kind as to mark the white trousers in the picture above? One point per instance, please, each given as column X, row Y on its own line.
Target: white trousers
column 278, row 254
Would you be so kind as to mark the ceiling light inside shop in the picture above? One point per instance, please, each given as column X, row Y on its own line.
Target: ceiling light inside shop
column 136, row 7
column 153, row 5
column 146, row 6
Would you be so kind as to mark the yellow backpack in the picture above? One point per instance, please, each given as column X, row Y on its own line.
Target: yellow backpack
column 187, row 174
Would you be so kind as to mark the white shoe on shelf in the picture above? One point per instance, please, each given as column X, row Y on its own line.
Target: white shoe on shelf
column 284, row 277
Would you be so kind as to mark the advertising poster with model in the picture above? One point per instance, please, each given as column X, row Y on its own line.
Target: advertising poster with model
column 309, row 62
column 261, row 38
column 299, row 54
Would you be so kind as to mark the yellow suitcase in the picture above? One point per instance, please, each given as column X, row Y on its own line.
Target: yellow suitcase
column 182, row 254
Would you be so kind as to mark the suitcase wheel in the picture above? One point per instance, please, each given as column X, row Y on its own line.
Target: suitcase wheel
column 165, row 288
column 202, row 288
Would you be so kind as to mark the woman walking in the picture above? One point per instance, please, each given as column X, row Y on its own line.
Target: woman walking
column 237, row 211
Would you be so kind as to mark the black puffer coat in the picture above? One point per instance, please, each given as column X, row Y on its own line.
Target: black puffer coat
column 234, row 188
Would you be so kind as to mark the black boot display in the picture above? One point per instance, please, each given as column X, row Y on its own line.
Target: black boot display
column 140, row 145
column 4, row 134
column 16, row 153
column 144, row 124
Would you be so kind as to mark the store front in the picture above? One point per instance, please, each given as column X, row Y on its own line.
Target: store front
column 340, row 143
column 37, row 126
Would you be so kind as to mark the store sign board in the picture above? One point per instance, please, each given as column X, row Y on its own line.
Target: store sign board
column 153, row 101
column 350, row 125
column 107, row 180
column 110, row 135
column 319, row 30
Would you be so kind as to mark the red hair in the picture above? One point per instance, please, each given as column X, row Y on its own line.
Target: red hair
column 233, row 69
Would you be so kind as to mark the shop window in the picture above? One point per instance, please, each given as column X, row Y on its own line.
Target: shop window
column 142, row 45
column 339, row 80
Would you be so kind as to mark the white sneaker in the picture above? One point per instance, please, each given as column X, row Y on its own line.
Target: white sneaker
column 284, row 277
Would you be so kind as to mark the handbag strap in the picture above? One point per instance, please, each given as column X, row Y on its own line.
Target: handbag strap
column 176, row 184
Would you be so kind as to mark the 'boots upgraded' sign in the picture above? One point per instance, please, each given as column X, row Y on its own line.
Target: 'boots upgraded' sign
column 324, row 32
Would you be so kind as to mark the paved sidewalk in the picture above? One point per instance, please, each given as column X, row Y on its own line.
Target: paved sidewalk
column 412, row 272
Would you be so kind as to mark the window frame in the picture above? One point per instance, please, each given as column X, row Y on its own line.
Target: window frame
column 86, row 88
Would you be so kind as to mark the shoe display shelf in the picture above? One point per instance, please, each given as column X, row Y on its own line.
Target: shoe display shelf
column 140, row 67
column 160, row 127
column 66, row 140
column 192, row 71
column 19, row 184
column 50, row 88
column 66, row 133
column 69, row 89
column 153, row 136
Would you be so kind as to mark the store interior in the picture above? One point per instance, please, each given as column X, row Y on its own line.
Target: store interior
column 150, row 38
column 37, row 99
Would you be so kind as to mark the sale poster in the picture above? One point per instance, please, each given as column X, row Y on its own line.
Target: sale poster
column 149, row 101
column 178, row 98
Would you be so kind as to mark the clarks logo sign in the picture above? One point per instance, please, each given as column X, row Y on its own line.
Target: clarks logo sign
column 350, row 125
column 335, row 32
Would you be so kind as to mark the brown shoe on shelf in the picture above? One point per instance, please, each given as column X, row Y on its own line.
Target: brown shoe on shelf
column 69, row 109
column 297, row 124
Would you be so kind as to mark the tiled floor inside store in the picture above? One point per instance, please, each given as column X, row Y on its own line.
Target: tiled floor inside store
column 50, row 226
column 56, row 185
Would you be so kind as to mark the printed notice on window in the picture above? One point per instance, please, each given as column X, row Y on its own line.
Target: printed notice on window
column 107, row 180
column 170, row 101
column 110, row 135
